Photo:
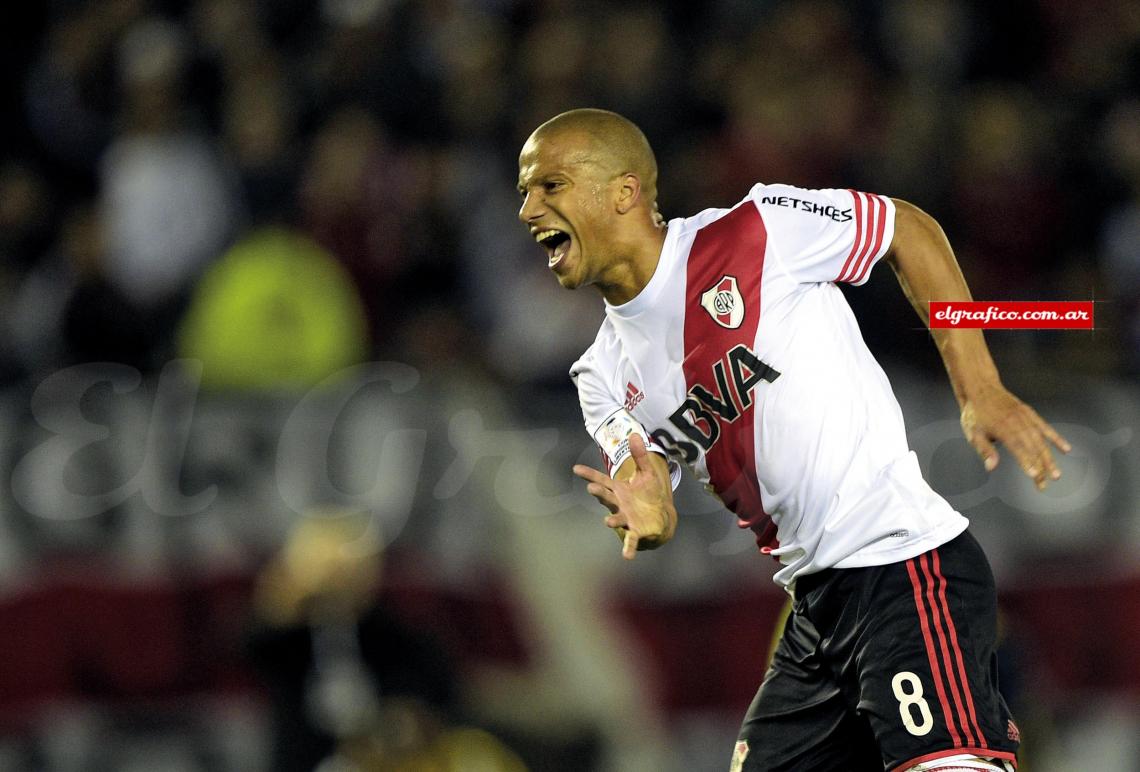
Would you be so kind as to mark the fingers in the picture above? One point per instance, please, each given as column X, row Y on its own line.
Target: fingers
column 1000, row 417
column 1058, row 441
column 1042, row 434
column 985, row 449
column 1029, row 446
column 604, row 495
column 629, row 546
column 589, row 474
column 630, row 539
column 635, row 506
column 1040, row 468
column 1042, row 462
column 1024, row 452
column 640, row 453
column 1028, row 437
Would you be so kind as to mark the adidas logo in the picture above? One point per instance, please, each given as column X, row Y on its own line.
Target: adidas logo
column 1012, row 732
column 633, row 396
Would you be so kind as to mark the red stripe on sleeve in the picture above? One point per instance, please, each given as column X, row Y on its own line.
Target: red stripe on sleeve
column 865, row 250
column 878, row 229
column 858, row 234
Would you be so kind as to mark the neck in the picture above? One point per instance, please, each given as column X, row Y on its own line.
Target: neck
column 633, row 267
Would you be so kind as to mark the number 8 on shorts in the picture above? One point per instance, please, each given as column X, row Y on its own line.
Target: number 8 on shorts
column 908, row 691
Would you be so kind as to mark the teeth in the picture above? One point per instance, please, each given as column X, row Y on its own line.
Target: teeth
column 539, row 237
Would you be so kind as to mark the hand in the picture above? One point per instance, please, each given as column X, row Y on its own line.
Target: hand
column 641, row 507
column 998, row 416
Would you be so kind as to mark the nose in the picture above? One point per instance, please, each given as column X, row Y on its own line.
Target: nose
column 531, row 208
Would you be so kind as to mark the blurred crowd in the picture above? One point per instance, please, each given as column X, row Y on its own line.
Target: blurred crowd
column 281, row 188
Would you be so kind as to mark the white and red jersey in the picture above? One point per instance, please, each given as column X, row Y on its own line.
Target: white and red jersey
column 742, row 359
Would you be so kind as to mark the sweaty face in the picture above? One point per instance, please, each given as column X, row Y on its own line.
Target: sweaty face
column 564, row 206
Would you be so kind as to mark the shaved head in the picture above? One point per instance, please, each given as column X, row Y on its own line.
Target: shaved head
column 588, row 182
column 610, row 142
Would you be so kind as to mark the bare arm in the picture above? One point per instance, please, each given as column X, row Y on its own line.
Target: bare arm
column 927, row 270
column 639, row 498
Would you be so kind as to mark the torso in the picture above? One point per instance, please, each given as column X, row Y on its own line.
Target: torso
column 761, row 384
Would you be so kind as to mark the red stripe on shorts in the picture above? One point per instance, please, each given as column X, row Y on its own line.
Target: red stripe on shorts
column 957, row 650
column 935, row 670
column 951, row 679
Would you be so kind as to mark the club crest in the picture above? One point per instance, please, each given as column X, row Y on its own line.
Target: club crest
column 724, row 303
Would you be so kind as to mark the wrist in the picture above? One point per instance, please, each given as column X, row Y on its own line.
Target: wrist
column 975, row 388
column 968, row 363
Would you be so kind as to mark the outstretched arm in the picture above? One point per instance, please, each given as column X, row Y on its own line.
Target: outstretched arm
column 927, row 270
column 639, row 498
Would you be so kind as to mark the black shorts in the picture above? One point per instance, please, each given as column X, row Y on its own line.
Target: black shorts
column 884, row 667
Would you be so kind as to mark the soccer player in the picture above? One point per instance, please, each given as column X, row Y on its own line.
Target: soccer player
column 727, row 346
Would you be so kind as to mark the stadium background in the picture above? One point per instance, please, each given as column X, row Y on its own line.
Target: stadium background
column 259, row 260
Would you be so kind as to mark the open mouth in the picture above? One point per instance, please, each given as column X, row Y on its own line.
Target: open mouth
column 557, row 244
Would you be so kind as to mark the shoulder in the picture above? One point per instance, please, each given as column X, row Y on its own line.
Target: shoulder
column 689, row 225
column 829, row 203
column 769, row 198
column 775, row 197
column 599, row 358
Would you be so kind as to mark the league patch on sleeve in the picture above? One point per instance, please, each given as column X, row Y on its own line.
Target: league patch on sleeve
column 613, row 438
column 739, row 754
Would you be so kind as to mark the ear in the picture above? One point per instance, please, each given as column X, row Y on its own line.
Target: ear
column 628, row 192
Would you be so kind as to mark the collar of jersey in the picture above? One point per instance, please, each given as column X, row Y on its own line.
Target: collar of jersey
column 644, row 299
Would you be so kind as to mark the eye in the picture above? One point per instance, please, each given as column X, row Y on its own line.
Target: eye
column 551, row 187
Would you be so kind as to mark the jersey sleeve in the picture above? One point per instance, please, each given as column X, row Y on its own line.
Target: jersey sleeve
column 826, row 235
column 607, row 420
